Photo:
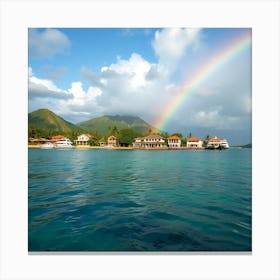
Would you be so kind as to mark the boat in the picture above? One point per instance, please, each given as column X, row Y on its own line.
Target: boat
column 47, row 145
column 217, row 144
column 63, row 143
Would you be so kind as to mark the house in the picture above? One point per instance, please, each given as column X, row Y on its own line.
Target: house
column 102, row 142
column 153, row 141
column 174, row 142
column 137, row 143
column 113, row 141
column 217, row 143
column 194, row 143
column 83, row 139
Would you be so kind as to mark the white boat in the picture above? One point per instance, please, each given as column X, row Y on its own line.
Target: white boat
column 217, row 143
column 47, row 145
column 63, row 143
column 224, row 144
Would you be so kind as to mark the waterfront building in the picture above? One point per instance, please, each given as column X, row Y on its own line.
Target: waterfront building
column 83, row 139
column 102, row 142
column 153, row 141
column 194, row 143
column 113, row 141
column 137, row 143
column 174, row 142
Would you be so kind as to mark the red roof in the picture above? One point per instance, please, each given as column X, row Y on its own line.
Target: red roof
column 193, row 139
column 174, row 137
column 56, row 138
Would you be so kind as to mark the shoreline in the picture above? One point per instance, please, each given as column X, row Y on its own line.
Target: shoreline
column 121, row 148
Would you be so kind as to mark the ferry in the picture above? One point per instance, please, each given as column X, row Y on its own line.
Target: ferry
column 217, row 144
column 63, row 143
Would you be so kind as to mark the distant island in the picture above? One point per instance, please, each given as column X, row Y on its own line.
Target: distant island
column 243, row 146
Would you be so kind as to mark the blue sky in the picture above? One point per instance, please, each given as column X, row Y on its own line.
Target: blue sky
column 81, row 73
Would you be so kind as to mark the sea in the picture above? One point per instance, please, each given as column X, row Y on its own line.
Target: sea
column 88, row 200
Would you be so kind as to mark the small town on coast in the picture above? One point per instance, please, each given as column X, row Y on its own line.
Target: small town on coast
column 149, row 142
column 47, row 130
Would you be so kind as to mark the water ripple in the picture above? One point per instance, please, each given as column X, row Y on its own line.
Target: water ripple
column 88, row 200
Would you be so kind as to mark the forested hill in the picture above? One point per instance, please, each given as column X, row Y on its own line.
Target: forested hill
column 44, row 122
column 105, row 124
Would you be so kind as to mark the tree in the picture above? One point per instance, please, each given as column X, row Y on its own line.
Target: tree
column 93, row 142
column 114, row 131
column 178, row 134
column 164, row 134
column 189, row 135
column 207, row 138
column 127, row 136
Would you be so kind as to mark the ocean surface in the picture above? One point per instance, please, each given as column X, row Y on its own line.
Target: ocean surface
column 131, row 200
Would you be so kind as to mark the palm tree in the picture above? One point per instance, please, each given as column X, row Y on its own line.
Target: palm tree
column 207, row 138
column 189, row 136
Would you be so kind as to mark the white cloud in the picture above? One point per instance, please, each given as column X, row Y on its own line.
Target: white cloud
column 46, row 83
column 43, row 88
column 82, row 97
column 75, row 101
column 135, row 69
column 134, row 86
column 171, row 44
column 47, row 43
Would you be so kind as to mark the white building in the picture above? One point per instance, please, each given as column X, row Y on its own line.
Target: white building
column 113, row 141
column 194, row 143
column 137, row 143
column 153, row 141
column 83, row 139
column 174, row 142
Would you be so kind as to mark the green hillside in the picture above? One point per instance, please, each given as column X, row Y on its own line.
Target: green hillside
column 105, row 124
column 46, row 122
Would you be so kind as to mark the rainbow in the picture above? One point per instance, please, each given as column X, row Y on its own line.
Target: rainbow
column 219, row 58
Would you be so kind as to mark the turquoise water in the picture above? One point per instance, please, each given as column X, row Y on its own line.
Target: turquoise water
column 116, row 200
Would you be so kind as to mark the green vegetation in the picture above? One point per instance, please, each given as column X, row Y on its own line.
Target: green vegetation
column 105, row 124
column 45, row 123
column 127, row 136
column 206, row 140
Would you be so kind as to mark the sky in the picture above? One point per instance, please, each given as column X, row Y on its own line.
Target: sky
column 83, row 73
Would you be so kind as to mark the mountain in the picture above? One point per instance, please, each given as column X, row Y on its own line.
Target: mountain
column 44, row 119
column 105, row 124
